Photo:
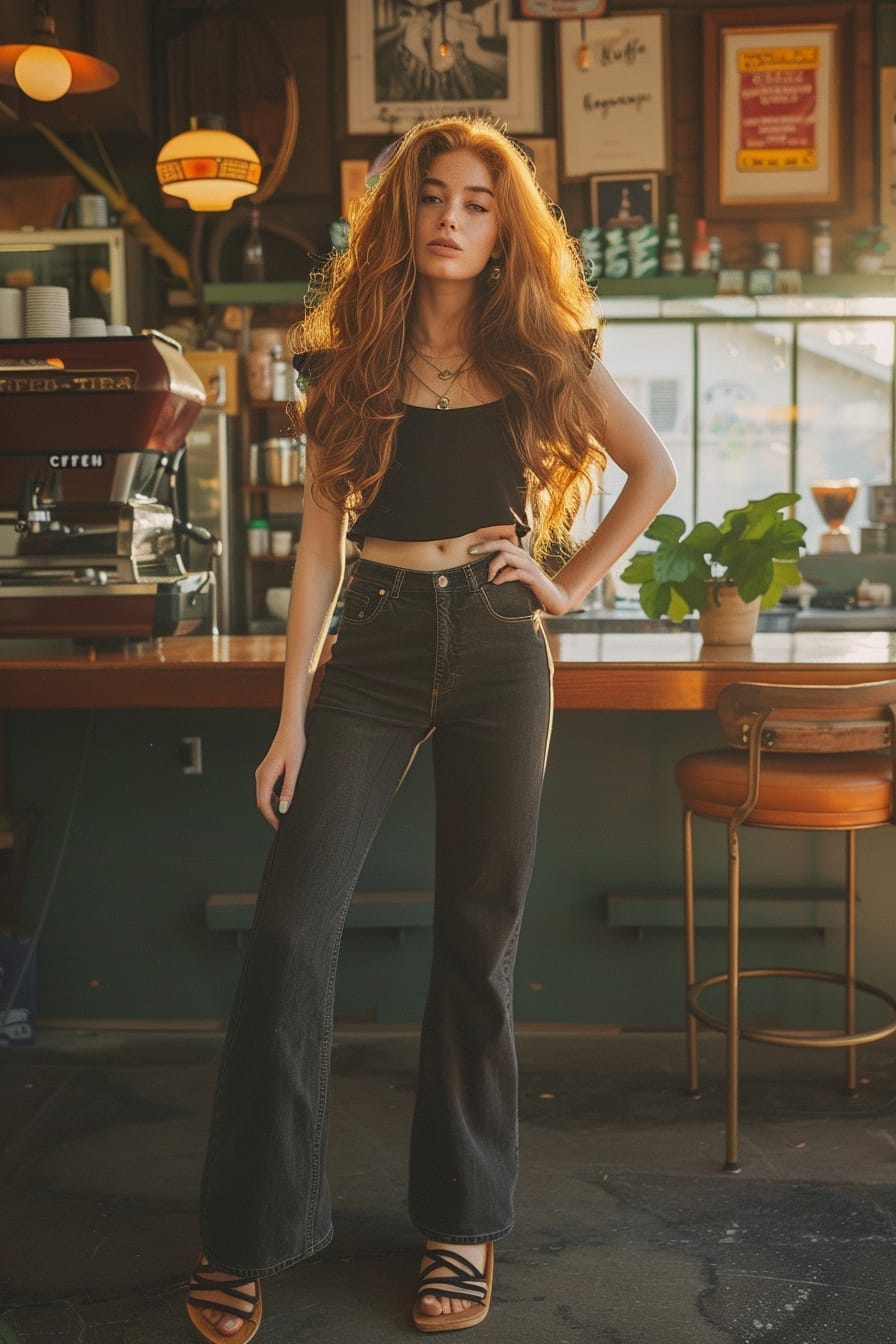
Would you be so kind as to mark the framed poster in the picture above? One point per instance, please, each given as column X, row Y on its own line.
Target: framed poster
column 614, row 114
column 411, row 61
column 775, row 110
column 625, row 200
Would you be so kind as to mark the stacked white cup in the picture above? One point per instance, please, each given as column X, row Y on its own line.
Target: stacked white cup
column 88, row 326
column 12, row 323
column 47, row 311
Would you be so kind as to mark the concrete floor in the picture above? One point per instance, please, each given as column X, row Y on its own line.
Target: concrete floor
column 628, row 1232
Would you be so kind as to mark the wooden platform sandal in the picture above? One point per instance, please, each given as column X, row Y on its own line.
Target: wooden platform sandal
column 244, row 1305
column 451, row 1275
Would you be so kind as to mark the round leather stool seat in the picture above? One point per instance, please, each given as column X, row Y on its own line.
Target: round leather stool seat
column 844, row 789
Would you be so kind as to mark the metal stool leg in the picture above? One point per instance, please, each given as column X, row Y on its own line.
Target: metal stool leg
column 733, row 1020
column 690, row 956
column 850, row 971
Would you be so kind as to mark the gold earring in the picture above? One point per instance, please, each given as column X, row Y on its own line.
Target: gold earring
column 494, row 275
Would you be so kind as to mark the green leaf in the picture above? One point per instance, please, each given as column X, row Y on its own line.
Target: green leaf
column 695, row 591
column 758, row 516
column 703, row 537
column 639, row 569
column 786, row 575
column 666, row 527
column 679, row 606
column 758, row 581
column 654, row 598
column 673, row 563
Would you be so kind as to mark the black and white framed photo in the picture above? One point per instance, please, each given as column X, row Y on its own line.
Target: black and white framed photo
column 625, row 200
column 409, row 60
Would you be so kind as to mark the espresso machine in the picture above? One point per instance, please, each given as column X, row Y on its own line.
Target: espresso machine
column 92, row 543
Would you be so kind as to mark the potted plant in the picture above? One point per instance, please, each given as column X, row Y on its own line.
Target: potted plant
column 740, row 565
column 869, row 247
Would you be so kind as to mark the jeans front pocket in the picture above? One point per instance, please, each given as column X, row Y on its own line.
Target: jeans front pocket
column 364, row 601
column 513, row 601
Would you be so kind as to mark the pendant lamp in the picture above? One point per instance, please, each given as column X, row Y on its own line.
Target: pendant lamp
column 207, row 166
column 444, row 55
column 45, row 71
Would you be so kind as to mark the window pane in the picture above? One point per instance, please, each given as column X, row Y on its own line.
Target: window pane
column 844, row 429
column 743, row 446
column 653, row 363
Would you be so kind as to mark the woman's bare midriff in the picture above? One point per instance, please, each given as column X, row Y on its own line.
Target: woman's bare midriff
column 446, row 554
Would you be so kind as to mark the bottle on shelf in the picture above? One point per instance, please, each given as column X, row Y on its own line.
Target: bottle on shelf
column 701, row 257
column 715, row 254
column 822, row 248
column 672, row 255
column 253, row 249
column 283, row 379
column 258, row 537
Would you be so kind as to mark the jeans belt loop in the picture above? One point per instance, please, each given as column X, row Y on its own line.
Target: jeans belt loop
column 397, row 582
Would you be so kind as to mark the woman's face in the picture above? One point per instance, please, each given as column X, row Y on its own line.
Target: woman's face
column 456, row 230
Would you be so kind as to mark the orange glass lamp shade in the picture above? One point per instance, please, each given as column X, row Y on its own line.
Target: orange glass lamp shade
column 44, row 70
column 208, row 167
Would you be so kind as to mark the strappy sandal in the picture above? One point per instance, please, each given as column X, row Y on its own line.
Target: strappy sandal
column 457, row 1279
column 250, row 1313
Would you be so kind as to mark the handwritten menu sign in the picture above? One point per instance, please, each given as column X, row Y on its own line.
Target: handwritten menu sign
column 614, row 113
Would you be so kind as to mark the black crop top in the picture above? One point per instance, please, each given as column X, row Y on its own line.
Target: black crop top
column 452, row 472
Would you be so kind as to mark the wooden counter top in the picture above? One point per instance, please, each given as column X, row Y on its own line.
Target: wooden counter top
column 593, row 671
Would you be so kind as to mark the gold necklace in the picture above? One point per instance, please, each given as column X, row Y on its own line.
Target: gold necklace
column 445, row 375
column 443, row 401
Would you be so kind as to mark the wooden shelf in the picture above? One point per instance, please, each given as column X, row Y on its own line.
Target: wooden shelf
column 256, row 293
column 846, row 284
column 264, row 489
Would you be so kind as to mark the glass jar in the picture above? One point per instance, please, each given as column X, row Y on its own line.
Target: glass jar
column 770, row 256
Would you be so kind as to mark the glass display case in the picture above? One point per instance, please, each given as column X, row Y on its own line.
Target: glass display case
column 99, row 267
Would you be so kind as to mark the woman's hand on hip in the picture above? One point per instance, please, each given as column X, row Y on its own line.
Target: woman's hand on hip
column 512, row 564
column 275, row 778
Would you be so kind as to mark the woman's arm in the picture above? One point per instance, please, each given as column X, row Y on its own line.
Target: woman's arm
column 650, row 480
column 316, row 580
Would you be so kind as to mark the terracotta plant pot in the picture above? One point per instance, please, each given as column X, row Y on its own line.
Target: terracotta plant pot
column 733, row 621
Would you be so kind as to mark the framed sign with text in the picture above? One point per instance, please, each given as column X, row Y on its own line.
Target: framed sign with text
column 775, row 107
column 613, row 114
column 409, row 62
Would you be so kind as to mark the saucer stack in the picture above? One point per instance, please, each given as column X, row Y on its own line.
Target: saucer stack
column 47, row 311
column 11, row 321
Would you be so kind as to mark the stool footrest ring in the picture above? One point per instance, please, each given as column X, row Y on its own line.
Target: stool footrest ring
column 783, row 1036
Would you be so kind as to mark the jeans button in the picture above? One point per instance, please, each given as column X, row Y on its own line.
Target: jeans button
column 442, row 581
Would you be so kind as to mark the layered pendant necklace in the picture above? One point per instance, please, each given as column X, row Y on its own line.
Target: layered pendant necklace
column 443, row 400
column 445, row 375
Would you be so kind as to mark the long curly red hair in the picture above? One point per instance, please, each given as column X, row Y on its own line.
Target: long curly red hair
column 524, row 333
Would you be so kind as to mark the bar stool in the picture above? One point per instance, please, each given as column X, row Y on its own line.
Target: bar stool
column 800, row 758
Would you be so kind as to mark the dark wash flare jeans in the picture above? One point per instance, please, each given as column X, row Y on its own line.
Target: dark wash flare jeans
column 419, row 653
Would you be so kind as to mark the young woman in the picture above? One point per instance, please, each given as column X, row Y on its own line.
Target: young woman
column 455, row 408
